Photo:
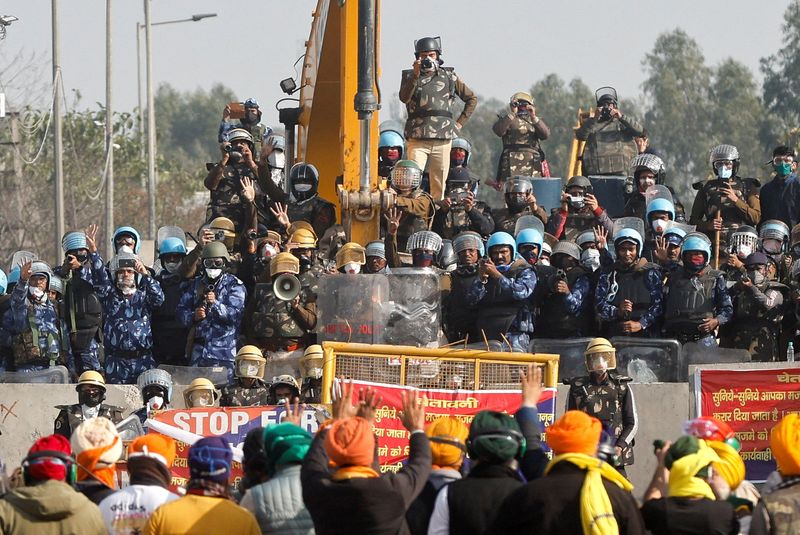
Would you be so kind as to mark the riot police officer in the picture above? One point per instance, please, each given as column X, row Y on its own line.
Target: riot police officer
column 283, row 390
column 565, row 303
column 522, row 131
column 169, row 336
column 728, row 200
column 416, row 207
column 459, row 316
column 609, row 137
column 232, row 182
column 375, row 252
column 248, row 389
column 350, row 258
column 520, row 201
column 311, row 372
column 460, row 210
column 155, row 386
column 697, row 299
column 91, row 389
column 579, row 211
column 201, row 393
column 658, row 215
column 391, row 148
column 607, row 395
column 428, row 90
column 774, row 242
column 629, row 297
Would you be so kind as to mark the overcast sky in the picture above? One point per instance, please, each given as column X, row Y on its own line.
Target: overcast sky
column 497, row 47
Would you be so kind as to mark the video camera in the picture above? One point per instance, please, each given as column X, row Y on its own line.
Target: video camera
column 427, row 64
column 559, row 276
column 458, row 195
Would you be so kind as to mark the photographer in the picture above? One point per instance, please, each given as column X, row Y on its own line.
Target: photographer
column 520, row 201
column 460, row 211
column 579, row 211
column 521, row 130
column 565, row 307
column 428, row 91
column 609, row 137
column 249, row 117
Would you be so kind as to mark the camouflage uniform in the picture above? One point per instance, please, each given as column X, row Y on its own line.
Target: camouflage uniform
column 522, row 153
column 227, row 200
column 609, row 145
column 611, row 402
column 778, row 512
column 213, row 339
column 273, row 325
column 642, row 285
column 430, row 127
column 568, row 225
column 37, row 333
column 417, row 212
column 709, row 202
column 71, row 416
column 505, row 220
column 83, row 314
column 238, row 395
column 693, row 298
column 449, row 223
column 757, row 315
column 127, row 333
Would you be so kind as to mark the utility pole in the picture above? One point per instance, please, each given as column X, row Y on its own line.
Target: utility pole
column 151, row 126
column 109, row 171
column 139, row 90
column 57, row 145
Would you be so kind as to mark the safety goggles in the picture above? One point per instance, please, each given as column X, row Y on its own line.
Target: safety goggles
column 212, row 263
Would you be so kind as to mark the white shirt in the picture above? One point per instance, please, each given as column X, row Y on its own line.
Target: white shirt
column 440, row 518
column 126, row 511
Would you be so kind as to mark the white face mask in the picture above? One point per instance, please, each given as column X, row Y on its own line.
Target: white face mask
column 269, row 251
column 247, row 369
column 352, row 267
column 155, row 403
column 277, row 159
column 743, row 251
column 126, row 286
column 725, row 172
column 277, row 176
column 213, row 273
column 125, row 249
column 302, row 188
column 659, row 226
column 90, row 412
column 544, row 260
column 36, row 293
column 171, row 267
column 590, row 259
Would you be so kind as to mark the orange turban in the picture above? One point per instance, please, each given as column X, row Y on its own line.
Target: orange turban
column 155, row 446
column 350, row 442
column 448, row 441
column 575, row 432
column 785, row 444
column 730, row 466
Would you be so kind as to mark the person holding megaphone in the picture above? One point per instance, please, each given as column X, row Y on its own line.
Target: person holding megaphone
column 282, row 315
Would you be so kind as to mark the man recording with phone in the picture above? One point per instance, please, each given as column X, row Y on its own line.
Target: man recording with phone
column 579, row 211
column 248, row 115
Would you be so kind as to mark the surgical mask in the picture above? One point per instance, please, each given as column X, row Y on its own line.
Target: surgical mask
column 743, row 251
column 171, row 267
column 782, row 169
column 352, row 267
column 590, row 259
column 277, row 159
column 125, row 249
column 725, row 172
column 756, row 276
column 248, row 370
column 36, row 293
column 269, row 251
column 544, row 260
column 126, row 286
column 302, row 188
column 659, row 226
column 155, row 403
column 200, row 399
column 213, row 273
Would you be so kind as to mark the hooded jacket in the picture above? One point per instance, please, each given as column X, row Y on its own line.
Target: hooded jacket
column 52, row 507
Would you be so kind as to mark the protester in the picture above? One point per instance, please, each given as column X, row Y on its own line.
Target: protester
column 97, row 448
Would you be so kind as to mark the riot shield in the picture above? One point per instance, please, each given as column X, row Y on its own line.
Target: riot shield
column 163, row 233
column 650, row 360
column 282, row 363
column 413, row 315
column 528, row 221
column 349, row 308
column 658, row 192
column 130, row 428
column 610, row 193
column 53, row 375
column 627, row 222
column 547, row 191
column 675, row 225
column 20, row 258
column 700, row 354
column 184, row 375
column 571, row 362
column 550, row 240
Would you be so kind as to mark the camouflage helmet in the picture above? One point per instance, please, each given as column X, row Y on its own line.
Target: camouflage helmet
column 284, row 263
column 250, row 363
column 350, row 252
column 286, row 380
column 303, row 239
column 237, row 134
column 406, row 174
column 650, row 162
column 519, row 184
column 425, row 240
column 312, row 362
column 522, row 96
column 602, row 348
column 215, row 249
column 91, row 377
column 568, row 248
column 198, row 385
column 156, row 377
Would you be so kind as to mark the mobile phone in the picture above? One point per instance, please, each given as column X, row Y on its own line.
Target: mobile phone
column 237, row 110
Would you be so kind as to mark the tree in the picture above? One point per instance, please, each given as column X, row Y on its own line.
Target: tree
column 782, row 73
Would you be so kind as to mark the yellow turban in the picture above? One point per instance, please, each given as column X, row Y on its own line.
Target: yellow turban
column 730, row 465
column 448, row 441
column 785, row 444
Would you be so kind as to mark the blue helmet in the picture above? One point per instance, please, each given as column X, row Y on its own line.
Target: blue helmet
column 695, row 241
column 390, row 138
column 13, row 277
column 3, row 282
column 675, row 235
column 251, row 103
column 502, row 238
column 528, row 236
column 171, row 245
column 629, row 234
column 73, row 241
column 128, row 230
column 660, row 205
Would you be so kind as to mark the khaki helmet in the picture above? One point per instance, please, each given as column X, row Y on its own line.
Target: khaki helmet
column 215, row 249
column 297, row 225
column 350, row 252
column 286, row 380
column 250, row 363
column 522, row 95
column 197, row 385
column 224, row 230
column 303, row 239
column 600, row 348
column 311, row 362
column 284, row 263
column 273, row 237
column 91, row 377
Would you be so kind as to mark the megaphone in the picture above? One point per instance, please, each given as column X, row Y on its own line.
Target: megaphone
column 286, row 287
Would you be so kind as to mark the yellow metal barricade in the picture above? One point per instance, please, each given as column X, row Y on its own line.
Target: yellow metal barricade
column 440, row 368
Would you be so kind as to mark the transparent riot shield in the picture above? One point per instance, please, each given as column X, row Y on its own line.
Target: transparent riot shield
column 650, row 360
column 20, row 258
column 413, row 315
column 658, row 191
column 686, row 228
column 700, row 354
column 130, row 428
column 528, row 221
column 627, row 222
column 53, row 375
column 610, row 193
column 572, row 362
column 184, row 375
column 547, row 191
column 282, row 363
column 391, row 125
column 550, row 240
column 350, row 308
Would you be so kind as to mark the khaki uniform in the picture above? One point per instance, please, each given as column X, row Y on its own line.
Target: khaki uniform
column 709, row 201
column 522, row 153
column 778, row 512
column 609, row 145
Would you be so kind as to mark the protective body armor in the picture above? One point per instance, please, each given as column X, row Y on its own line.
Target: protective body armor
column 690, row 301
column 37, row 347
column 521, row 150
column 456, row 221
column 272, row 317
column 609, row 150
column 783, row 508
column 554, row 320
column 238, row 395
column 430, row 114
column 578, row 222
column 505, row 220
column 226, row 200
column 169, row 336
column 498, row 309
column 631, row 286
column 604, row 402
column 83, row 312
column 410, row 223
column 460, row 317
column 317, row 211
column 71, row 416
column 716, row 202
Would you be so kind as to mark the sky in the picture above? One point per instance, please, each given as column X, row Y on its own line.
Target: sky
column 497, row 48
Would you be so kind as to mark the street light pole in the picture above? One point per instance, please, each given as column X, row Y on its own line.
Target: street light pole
column 57, row 144
column 109, row 171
